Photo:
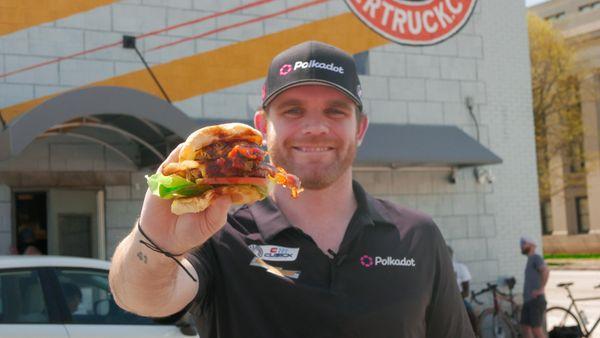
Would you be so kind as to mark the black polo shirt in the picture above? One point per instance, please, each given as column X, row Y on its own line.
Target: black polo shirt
column 262, row 277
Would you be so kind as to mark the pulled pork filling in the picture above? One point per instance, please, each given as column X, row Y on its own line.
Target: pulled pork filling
column 234, row 159
column 221, row 159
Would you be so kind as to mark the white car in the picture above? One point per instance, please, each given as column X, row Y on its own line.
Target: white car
column 68, row 297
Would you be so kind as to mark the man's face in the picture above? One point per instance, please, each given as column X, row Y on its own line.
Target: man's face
column 312, row 131
column 73, row 303
column 525, row 248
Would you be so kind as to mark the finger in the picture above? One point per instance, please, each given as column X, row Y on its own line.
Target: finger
column 173, row 157
column 216, row 213
column 220, row 205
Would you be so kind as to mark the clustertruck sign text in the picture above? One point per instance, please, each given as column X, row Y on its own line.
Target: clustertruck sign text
column 416, row 22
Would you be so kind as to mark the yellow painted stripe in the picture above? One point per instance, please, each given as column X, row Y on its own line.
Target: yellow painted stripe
column 20, row 14
column 234, row 64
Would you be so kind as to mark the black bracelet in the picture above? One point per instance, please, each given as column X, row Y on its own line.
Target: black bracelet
column 152, row 246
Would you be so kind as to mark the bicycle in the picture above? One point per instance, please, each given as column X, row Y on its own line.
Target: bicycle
column 495, row 322
column 558, row 316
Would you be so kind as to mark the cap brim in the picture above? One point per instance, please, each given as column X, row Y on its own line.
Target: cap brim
column 306, row 82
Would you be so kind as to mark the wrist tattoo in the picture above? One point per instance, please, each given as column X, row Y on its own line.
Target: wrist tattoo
column 142, row 257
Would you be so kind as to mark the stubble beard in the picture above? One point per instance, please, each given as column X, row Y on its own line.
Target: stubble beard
column 318, row 175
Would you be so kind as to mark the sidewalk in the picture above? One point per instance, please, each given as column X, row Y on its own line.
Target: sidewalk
column 573, row 264
column 583, row 287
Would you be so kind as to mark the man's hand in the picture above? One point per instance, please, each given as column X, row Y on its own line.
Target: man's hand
column 149, row 283
column 537, row 292
column 179, row 234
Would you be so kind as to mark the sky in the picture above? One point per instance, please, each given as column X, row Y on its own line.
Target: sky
column 533, row 2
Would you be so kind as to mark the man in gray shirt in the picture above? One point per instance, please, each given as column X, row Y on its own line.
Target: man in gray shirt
column 534, row 301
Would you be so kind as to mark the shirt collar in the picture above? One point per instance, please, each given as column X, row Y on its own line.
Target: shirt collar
column 271, row 221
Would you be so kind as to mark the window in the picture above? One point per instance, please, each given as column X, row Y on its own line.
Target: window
column 589, row 7
column 583, row 215
column 21, row 298
column 547, row 227
column 555, row 17
column 362, row 63
column 576, row 157
column 88, row 298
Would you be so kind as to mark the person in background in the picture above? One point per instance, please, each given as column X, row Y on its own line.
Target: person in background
column 463, row 276
column 28, row 243
column 72, row 296
column 534, row 300
column 463, row 280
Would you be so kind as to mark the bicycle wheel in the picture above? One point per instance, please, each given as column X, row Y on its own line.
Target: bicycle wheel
column 495, row 325
column 557, row 316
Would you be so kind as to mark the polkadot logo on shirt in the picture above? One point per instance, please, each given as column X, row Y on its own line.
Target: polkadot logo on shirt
column 285, row 69
column 366, row 261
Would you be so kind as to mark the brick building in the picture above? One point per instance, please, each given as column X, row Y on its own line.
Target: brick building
column 85, row 121
column 570, row 222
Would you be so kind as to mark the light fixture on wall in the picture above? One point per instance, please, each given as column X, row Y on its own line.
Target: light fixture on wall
column 452, row 175
column 484, row 175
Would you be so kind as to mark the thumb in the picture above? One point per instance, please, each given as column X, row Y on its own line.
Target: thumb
column 216, row 213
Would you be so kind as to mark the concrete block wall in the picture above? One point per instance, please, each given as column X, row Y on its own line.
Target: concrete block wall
column 57, row 154
column 123, row 204
column 107, row 24
column 508, row 114
column 5, row 219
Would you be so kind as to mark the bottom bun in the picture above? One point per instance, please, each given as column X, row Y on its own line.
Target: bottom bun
column 239, row 194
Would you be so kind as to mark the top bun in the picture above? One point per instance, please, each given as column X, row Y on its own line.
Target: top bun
column 211, row 134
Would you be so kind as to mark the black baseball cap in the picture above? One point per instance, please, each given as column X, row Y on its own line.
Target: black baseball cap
column 312, row 62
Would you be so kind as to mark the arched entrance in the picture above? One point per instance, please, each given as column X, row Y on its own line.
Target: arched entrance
column 74, row 166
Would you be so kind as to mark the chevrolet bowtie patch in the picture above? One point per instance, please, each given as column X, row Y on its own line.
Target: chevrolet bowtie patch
column 277, row 271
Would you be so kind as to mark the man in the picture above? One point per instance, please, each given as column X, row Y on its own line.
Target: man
column 335, row 262
column 534, row 301
column 463, row 276
column 463, row 280
column 72, row 295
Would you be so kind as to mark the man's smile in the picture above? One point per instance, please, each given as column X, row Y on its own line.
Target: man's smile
column 312, row 149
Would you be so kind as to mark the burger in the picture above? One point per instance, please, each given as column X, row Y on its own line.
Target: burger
column 224, row 159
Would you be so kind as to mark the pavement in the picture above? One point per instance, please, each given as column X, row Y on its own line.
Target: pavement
column 584, row 283
column 573, row 264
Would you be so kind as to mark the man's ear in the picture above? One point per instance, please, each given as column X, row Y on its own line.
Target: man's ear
column 363, row 125
column 260, row 121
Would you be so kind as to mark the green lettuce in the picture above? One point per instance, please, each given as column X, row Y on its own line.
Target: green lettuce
column 174, row 186
column 169, row 187
column 263, row 190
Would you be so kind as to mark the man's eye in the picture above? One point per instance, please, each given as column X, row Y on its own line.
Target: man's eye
column 293, row 112
column 337, row 112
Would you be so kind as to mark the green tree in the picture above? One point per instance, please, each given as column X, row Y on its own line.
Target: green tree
column 556, row 107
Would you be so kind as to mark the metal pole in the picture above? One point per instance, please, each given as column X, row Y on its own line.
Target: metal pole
column 129, row 42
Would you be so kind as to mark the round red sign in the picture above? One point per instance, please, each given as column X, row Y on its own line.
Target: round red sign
column 413, row 22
